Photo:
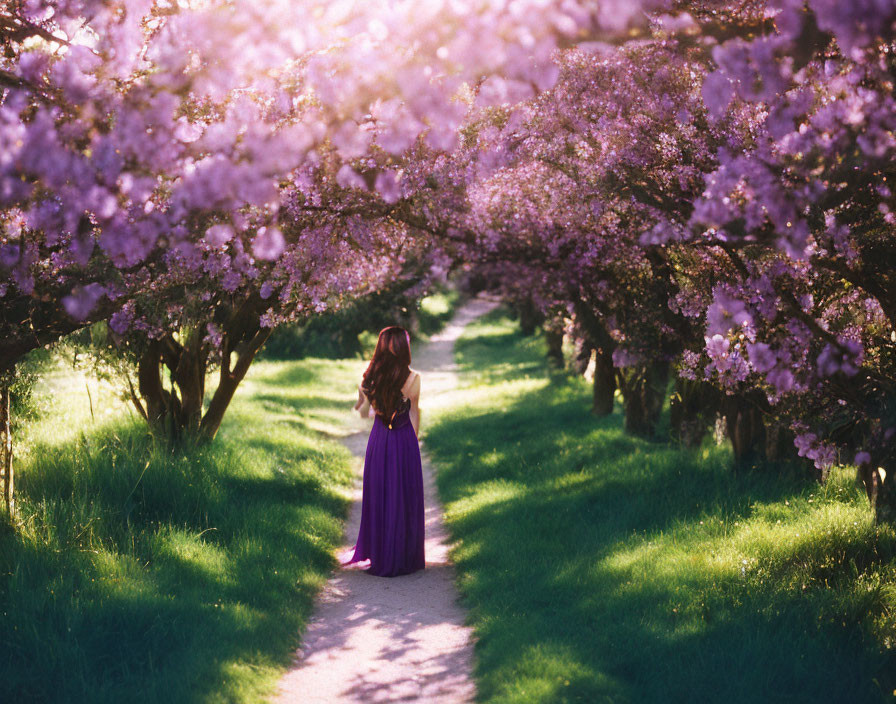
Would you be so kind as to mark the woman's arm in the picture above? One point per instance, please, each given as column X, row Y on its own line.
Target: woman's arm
column 363, row 404
column 414, row 397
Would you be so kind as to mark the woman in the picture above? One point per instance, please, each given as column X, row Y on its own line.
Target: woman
column 391, row 534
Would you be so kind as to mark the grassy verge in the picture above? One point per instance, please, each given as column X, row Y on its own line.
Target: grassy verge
column 142, row 575
column 598, row 567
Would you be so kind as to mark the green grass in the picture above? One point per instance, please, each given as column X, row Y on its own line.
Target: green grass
column 138, row 574
column 436, row 310
column 601, row 568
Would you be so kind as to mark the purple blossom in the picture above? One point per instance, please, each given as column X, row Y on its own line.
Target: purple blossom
column 782, row 379
column 269, row 243
column 717, row 347
column 623, row 358
column 347, row 177
column 122, row 319
column 726, row 312
column 717, row 94
column 762, row 357
column 804, row 443
column 387, row 186
column 825, row 456
column 9, row 255
column 82, row 300
column 214, row 334
column 219, row 235
column 81, row 249
column 846, row 358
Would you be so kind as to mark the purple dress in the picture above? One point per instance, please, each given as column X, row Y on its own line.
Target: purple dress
column 391, row 534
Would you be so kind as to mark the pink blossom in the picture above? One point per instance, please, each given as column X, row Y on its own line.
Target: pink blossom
column 219, row 235
column 269, row 243
column 388, row 187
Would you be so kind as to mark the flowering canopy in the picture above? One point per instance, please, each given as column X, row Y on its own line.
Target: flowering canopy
column 140, row 135
column 702, row 183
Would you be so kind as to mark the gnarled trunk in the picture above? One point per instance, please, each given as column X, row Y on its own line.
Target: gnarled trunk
column 178, row 412
column 189, row 375
column 229, row 380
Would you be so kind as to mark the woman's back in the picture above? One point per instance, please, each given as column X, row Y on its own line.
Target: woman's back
column 392, row 516
column 408, row 406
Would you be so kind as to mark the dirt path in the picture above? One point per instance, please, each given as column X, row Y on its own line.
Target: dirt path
column 373, row 639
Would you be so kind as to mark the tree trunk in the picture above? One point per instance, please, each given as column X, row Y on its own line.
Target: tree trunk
column 582, row 356
column 598, row 339
column 881, row 491
column 229, row 380
column 885, row 506
column 178, row 412
column 529, row 316
column 643, row 393
column 189, row 375
column 6, row 450
column 149, row 382
column 746, row 430
column 779, row 446
column 604, row 391
column 554, row 339
column 691, row 406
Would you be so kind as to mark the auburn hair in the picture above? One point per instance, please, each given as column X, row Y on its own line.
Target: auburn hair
column 388, row 370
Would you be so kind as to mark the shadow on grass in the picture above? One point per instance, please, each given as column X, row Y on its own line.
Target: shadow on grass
column 598, row 567
column 300, row 404
column 294, row 375
column 144, row 575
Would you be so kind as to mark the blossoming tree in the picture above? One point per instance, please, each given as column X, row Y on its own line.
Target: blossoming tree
column 150, row 153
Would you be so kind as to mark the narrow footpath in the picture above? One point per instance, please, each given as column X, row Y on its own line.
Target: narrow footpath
column 401, row 639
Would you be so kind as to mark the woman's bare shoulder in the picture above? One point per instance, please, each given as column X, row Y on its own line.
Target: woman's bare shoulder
column 411, row 382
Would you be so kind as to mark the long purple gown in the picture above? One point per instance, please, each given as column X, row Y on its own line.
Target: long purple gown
column 391, row 534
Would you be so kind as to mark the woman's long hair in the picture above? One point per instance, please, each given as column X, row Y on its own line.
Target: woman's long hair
column 388, row 370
